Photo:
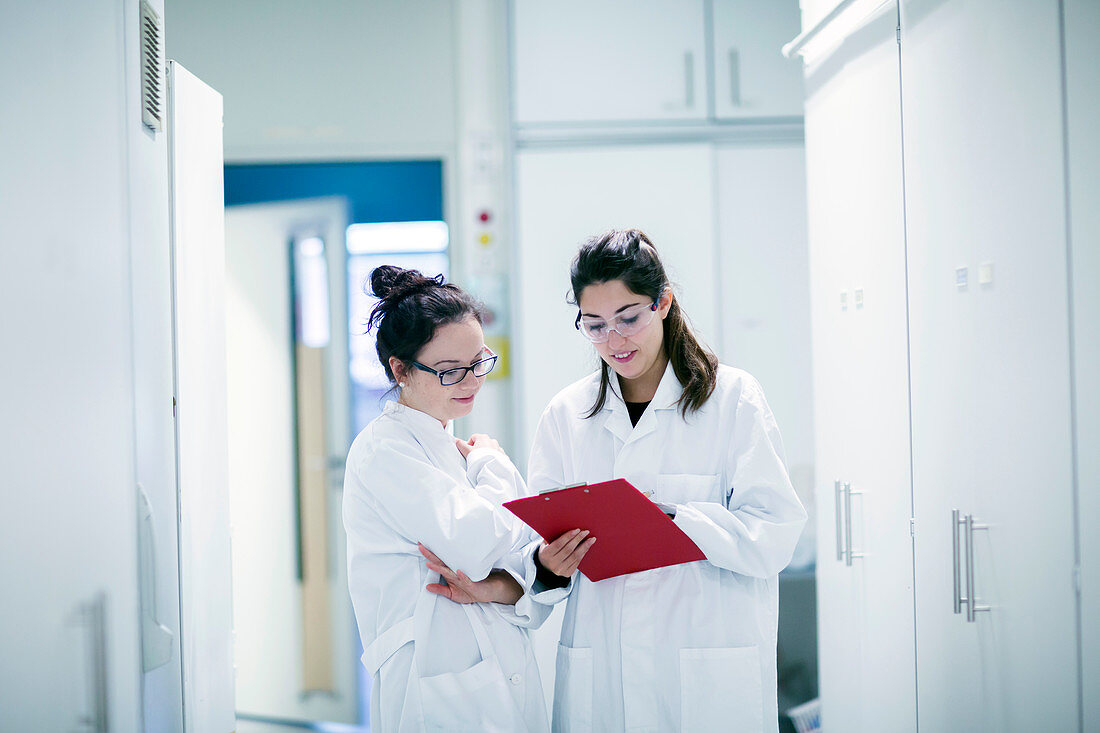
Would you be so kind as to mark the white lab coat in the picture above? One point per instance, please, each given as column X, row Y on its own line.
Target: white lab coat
column 435, row 664
column 689, row 647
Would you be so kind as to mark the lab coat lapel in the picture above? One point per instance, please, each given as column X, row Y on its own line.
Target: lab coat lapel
column 618, row 421
column 668, row 391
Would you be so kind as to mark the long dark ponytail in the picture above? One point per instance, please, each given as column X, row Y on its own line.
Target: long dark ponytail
column 627, row 255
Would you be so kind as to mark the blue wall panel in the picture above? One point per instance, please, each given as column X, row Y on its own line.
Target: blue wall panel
column 377, row 191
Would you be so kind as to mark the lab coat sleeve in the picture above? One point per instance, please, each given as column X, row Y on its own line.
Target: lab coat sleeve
column 756, row 531
column 468, row 531
column 498, row 480
column 545, row 470
column 526, row 612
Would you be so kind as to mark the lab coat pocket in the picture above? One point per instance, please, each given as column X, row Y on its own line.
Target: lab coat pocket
column 573, row 690
column 680, row 488
column 720, row 689
column 476, row 699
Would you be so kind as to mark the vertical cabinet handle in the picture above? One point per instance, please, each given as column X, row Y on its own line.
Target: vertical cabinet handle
column 848, row 494
column 956, row 581
column 839, row 522
column 972, row 608
column 735, row 77
column 843, row 491
column 848, row 523
column 92, row 615
column 689, row 79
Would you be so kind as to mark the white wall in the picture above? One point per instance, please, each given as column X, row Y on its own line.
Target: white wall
column 335, row 79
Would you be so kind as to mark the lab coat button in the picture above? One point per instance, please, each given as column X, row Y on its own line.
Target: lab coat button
column 516, row 679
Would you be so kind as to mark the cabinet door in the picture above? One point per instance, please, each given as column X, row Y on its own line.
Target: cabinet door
column 985, row 212
column 861, row 412
column 70, row 656
column 608, row 60
column 752, row 78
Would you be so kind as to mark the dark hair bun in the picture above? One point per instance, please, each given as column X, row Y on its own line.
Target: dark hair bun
column 409, row 310
column 392, row 283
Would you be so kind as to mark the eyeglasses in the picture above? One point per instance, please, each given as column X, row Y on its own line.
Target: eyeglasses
column 451, row 377
column 628, row 323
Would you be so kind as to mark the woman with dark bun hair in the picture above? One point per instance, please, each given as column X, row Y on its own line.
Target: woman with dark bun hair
column 689, row 647
column 419, row 502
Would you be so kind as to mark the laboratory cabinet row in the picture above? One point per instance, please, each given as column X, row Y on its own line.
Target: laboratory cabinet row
column 617, row 61
column 954, row 311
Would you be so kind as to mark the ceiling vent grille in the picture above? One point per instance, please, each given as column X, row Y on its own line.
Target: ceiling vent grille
column 152, row 68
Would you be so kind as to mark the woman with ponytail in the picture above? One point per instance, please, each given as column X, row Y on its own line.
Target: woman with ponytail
column 419, row 502
column 689, row 647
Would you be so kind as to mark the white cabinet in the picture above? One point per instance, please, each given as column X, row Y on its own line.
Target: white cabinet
column 621, row 61
column 991, row 421
column 584, row 61
column 751, row 78
column 70, row 656
column 860, row 391
column 986, row 282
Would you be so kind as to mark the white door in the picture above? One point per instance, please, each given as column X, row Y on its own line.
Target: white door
column 861, row 411
column 286, row 312
column 752, row 78
column 199, row 406
column 608, row 60
column 986, row 228
column 70, row 655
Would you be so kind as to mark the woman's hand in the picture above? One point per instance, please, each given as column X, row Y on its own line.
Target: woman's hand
column 498, row 587
column 563, row 555
column 477, row 440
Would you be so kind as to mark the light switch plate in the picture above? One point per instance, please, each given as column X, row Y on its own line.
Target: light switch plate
column 962, row 276
column 985, row 273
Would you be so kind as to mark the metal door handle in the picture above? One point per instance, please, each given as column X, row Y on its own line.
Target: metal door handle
column 735, row 78
column 839, row 522
column 956, row 581
column 689, row 79
column 972, row 608
column 848, row 493
column 92, row 615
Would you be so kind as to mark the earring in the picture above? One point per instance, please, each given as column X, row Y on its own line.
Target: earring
column 401, row 384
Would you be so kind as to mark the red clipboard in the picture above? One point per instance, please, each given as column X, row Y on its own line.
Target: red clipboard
column 632, row 533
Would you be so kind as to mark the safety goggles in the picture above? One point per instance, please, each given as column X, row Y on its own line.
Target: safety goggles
column 451, row 377
column 630, row 322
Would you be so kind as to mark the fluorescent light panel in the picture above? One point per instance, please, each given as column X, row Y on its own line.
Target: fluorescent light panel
column 398, row 237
